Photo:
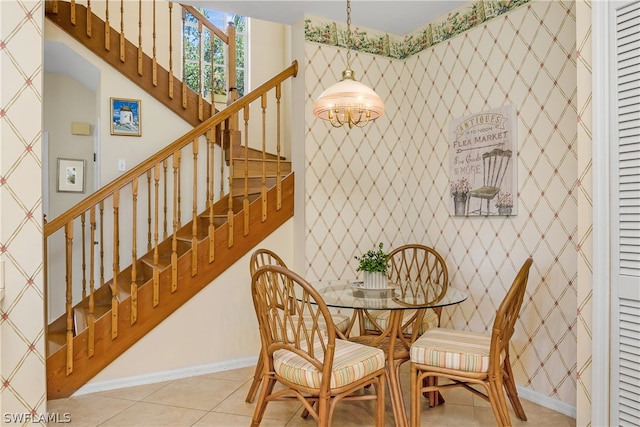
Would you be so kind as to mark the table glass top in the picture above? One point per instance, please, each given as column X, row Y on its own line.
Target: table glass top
column 399, row 296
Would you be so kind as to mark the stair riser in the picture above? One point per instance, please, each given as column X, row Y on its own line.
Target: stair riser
column 254, row 185
column 255, row 168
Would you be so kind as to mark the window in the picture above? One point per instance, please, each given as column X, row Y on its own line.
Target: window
column 214, row 58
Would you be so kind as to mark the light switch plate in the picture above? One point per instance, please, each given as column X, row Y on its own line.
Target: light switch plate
column 122, row 165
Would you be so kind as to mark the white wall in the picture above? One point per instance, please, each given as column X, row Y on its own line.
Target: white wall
column 160, row 126
column 65, row 101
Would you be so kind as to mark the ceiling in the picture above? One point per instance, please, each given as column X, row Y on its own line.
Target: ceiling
column 393, row 17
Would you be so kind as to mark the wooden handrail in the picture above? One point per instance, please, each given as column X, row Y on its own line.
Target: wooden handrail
column 203, row 19
column 218, row 118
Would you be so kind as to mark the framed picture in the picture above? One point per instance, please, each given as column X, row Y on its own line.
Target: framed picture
column 483, row 163
column 71, row 175
column 125, row 117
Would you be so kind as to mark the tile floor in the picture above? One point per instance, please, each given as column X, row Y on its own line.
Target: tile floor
column 218, row 400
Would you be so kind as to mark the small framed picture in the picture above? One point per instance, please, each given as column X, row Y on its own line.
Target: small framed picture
column 125, row 117
column 71, row 175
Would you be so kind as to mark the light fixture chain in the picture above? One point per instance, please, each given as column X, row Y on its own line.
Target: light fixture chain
column 348, row 102
column 348, row 34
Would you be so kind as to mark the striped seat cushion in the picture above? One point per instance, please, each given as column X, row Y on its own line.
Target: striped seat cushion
column 429, row 321
column 452, row 349
column 341, row 321
column 351, row 362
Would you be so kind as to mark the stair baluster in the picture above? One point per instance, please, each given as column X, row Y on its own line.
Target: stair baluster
column 171, row 52
column 89, row 18
column 231, row 172
column 165, row 166
column 134, row 254
column 122, row 36
column 263, row 191
column 194, row 221
column 91, row 321
column 278, row 148
column 84, row 256
column 149, row 245
column 176, row 221
column 116, row 265
column 101, row 243
column 68, row 231
column 139, row 37
column 107, row 27
column 156, row 246
column 210, row 190
column 154, row 61
column 245, row 201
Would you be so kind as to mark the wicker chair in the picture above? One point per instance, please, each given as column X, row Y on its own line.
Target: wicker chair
column 409, row 265
column 266, row 257
column 308, row 359
column 469, row 358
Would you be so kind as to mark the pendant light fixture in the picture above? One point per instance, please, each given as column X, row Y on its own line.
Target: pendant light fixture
column 348, row 102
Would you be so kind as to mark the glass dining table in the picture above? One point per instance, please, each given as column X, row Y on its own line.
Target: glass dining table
column 402, row 327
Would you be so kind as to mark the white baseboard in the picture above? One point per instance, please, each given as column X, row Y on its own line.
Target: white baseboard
column 93, row 387
column 173, row 374
column 546, row 401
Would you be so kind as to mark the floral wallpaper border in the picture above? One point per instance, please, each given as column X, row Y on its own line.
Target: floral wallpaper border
column 402, row 47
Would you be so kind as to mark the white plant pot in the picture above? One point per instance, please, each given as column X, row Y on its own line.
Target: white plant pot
column 375, row 280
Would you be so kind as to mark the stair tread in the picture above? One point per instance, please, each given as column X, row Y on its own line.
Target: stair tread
column 186, row 235
column 81, row 316
column 56, row 340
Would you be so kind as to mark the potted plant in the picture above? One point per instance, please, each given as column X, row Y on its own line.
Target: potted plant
column 504, row 203
column 460, row 191
column 373, row 264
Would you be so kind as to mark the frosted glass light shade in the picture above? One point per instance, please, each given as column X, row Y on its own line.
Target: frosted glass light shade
column 348, row 102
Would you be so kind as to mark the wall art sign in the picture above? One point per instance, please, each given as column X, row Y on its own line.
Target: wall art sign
column 70, row 175
column 125, row 117
column 483, row 163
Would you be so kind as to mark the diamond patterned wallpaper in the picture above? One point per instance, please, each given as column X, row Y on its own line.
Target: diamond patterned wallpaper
column 585, row 220
column 22, row 364
column 389, row 181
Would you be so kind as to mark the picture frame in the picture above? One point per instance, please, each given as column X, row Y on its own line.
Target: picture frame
column 71, row 175
column 125, row 117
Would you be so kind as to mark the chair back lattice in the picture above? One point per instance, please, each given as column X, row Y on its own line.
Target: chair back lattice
column 292, row 316
column 420, row 271
column 495, row 164
column 506, row 316
column 262, row 257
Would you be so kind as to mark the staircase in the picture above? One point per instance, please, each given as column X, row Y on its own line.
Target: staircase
column 194, row 208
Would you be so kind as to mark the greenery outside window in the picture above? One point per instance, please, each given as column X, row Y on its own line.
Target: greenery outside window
column 214, row 57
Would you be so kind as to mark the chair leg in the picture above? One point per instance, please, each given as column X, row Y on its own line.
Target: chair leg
column 414, row 398
column 512, row 392
column 266, row 390
column 323, row 412
column 380, row 402
column 257, row 379
column 435, row 397
column 498, row 404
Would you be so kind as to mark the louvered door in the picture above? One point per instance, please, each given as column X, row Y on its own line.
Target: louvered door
column 626, row 218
